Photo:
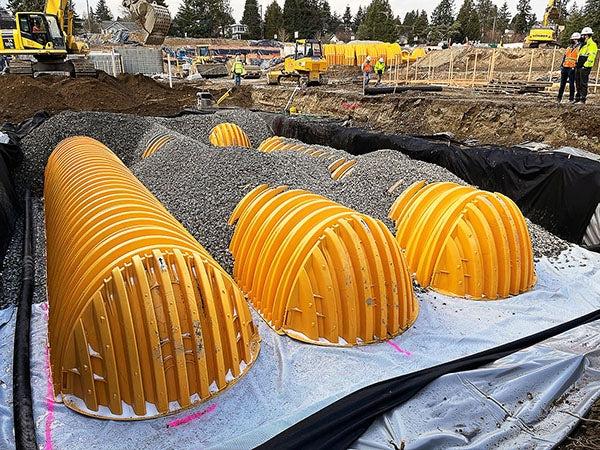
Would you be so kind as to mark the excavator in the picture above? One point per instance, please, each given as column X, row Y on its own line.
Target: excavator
column 48, row 37
column 545, row 34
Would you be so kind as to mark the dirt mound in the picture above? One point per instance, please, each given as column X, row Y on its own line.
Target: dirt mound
column 505, row 59
column 22, row 96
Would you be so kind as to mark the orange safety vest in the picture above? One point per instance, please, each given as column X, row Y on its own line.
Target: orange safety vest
column 367, row 67
column 571, row 57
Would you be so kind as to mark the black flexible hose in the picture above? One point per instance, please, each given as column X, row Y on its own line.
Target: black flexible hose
column 22, row 402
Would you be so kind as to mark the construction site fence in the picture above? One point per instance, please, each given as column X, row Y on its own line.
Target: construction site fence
column 354, row 54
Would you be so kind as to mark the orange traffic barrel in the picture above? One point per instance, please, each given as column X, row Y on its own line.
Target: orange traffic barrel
column 229, row 135
column 318, row 271
column 143, row 321
column 464, row 241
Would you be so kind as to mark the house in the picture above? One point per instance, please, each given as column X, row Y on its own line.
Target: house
column 237, row 31
column 117, row 26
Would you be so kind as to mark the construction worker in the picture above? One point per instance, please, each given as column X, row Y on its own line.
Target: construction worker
column 238, row 70
column 585, row 62
column 367, row 70
column 567, row 68
column 379, row 69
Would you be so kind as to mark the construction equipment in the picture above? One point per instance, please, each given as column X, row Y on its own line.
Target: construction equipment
column 207, row 64
column 47, row 37
column 154, row 19
column 545, row 34
column 306, row 66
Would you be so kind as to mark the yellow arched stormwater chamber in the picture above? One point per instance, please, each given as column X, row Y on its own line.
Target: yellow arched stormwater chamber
column 318, row 271
column 143, row 321
column 464, row 241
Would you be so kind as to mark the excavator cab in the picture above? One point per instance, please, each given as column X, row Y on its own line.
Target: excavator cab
column 38, row 31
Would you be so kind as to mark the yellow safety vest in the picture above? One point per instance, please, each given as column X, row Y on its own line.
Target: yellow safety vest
column 238, row 68
column 589, row 49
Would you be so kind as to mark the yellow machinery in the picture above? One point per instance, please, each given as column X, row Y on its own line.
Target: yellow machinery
column 48, row 37
column 205, row 63
column 545, row 35
column 306, row 66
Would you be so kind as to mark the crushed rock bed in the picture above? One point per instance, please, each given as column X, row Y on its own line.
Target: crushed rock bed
column 201, row 185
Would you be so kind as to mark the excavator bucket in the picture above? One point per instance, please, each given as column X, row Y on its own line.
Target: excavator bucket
column 154, row 19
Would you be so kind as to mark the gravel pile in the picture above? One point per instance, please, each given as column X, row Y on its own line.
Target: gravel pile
column 201, row 184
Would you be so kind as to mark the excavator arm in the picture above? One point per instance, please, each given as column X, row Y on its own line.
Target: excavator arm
column 63, row 9
column 154, row 19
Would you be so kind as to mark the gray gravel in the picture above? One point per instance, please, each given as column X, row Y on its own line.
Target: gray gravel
column 201, row 185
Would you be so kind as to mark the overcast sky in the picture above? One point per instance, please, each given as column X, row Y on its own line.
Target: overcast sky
column 398, row 6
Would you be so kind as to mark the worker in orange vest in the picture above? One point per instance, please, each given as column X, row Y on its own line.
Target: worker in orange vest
column 568, row 67
column 367, row 70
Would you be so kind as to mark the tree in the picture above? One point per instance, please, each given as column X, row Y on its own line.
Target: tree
column 347, row 17
column 503, row 20
column 102, row 11
column 421, row 27
column 303, row 16
column 16, row 6
column 575, row 22
column 468, row 23
column 358, row 19
column 524, row 19
column 443, row 14
column 202, row 18
column 379, row 23
column 273, row 20
column 252, row 19
column 592, row 14
column 488, row 18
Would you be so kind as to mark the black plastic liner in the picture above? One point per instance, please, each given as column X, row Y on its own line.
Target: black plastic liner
column 560, row 192
column 378, row 90
column 10, row 157
column 338, row 425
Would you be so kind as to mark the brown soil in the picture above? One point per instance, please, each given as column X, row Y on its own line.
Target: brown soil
column 587, row 434
column 504, row 120
column 22, row 96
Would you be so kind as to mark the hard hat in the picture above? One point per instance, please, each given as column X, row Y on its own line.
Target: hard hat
column 381, row 60
column 587, row 30
column 368, row 58
column 575, row 36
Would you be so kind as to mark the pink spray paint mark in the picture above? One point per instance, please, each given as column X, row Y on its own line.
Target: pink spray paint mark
column 49, row 393
column 398, row 349
column 191, row 417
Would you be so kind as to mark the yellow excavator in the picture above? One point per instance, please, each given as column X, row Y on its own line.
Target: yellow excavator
column 306, row 66
column 48, row 37
column 545, row 34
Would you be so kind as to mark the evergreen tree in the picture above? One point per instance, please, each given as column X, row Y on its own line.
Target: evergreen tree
column 488, row 14
column 273, row 20
column 303, row 16
column 443, row 14
column 524, row 19
column 347, row 18
column 16, row 6
column 503, row 20
column 468, row 23
column 575, row 22
column 358, row 19
column 252, row 19
column 202, row 18
column 421, row 27
column 379, row 23
column 102, row 11
column 592, row 14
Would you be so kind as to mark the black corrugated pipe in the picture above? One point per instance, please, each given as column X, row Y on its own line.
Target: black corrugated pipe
column 22, row 402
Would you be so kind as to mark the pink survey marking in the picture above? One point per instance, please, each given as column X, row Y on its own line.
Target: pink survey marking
column 49, row 393
column 398, row 349
column 191, row 417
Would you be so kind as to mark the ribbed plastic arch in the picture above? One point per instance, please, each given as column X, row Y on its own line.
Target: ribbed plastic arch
column 156, row 143
column 143, row 321
column 338, row 169
column 463, row 241
column 229, row 135
column 318, row 271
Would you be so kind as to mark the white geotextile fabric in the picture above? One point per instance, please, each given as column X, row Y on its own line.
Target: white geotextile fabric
column 291, row 380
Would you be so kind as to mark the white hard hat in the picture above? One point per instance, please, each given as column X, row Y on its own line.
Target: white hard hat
column 575, row 36
column 381, row 60
column 587, row 30
column 368, row 58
